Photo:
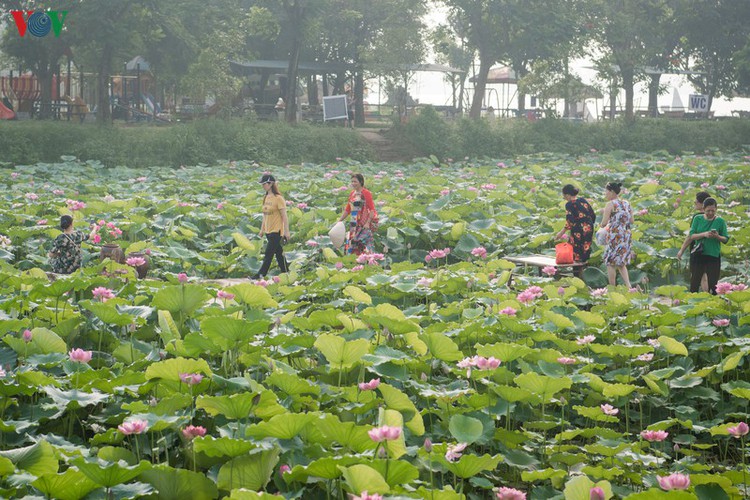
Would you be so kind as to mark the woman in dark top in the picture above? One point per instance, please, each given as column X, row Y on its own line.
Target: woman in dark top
column 65, row 256
column 579, row 220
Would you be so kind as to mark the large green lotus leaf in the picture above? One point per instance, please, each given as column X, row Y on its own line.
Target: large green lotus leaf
column 595, row 413
column 514, row 394
column 351, row 324
column 284, row 426
column 70, row 485
column 43, row 341
column 170, row 369
column 658, row 386
column 590, row 319
column 730, row 362
column 341, row 353
column 396, row 448
column 37, row 459
column 542, row 475
column 253, row 295
column 441, row 347
column 558, row 320
column 292, row 384
column 446, row 494
column 362, row 477
column 221, row 447
column 168, row 330
column 358, row 295
column 617, row 390
column 347, row 434
column 670, row 290
column 465, row 429
column 325, row 468
column 657, row 494
column 470, row 465
column 178, row 484
column 63, row 399
column 229, row 332
column 505, row 352
column 55, row 288
column 182, row 299
column 673, row 346
column 395, row 472
column 391, row 317
column 6, row 466
column 738, row 388
column 604, row 450
column 579, row 488
column 541, row 385
column 244, row 243
column 233, row 407
column 115, row 454
column 710, row 491
column 520, row 459
column 251, row 472
column 397, row 400
column 107, row 474
column 245, row 494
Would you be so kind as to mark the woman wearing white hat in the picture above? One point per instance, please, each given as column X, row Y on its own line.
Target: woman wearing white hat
column 275, row 225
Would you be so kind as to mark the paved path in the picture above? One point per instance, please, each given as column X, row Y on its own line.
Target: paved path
column 384, row 148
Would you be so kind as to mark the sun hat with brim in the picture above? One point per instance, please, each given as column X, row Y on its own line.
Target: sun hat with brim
column 337, row 234
column 267, row 178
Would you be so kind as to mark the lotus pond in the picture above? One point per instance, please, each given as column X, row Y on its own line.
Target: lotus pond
column 416, row 372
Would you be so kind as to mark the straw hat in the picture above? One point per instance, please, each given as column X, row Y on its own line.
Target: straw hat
column 337, row 234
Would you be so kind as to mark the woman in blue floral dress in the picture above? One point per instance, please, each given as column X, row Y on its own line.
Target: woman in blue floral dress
column 618, row 220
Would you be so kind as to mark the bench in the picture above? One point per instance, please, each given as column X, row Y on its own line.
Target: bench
column 542, row 261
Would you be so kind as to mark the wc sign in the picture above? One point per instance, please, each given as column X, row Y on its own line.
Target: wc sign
column 699, row 103
column 39, row 23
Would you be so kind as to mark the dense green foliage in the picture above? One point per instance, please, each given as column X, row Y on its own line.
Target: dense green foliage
column 173, row 386
column 192, row 143
column 429, row 134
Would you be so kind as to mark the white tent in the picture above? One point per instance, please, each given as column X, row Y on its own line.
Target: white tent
column 676, row 100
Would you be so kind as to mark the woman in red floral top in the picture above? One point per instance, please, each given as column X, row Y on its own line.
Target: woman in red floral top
column 579, row 220
column 364, row 218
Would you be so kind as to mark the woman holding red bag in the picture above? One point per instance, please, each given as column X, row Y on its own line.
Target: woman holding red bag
column 618, row 220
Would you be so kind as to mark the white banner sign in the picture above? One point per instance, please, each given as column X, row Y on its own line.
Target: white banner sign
column 699, row 103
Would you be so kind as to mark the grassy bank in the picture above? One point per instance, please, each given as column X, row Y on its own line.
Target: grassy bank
column 430, row 134
column 203, row 141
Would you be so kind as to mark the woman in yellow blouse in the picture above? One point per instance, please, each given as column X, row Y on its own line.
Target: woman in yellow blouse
column 275, row 226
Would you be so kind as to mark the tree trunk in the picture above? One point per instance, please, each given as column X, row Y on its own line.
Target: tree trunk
column 103, row 111
column 653, row 95
column 296, row 12
column 312, row 91
column 359, row 98
column 485, row 63
column 627, row 83
column 44, row 76
column 520, row 70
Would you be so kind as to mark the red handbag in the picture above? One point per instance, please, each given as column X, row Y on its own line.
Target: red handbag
column 563, row 253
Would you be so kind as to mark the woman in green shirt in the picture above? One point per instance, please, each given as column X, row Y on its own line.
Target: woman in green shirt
column 708, row 232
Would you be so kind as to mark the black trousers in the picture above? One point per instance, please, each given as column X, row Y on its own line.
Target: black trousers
column 273, row 247
column 708, row 265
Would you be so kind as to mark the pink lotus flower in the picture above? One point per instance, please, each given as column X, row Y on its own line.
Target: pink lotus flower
column 509, row 311
column 365, row 496
column 608, row 409
column 133, row 427
column 428, row 445
column 384, row 433
column 191, row 378
column 596, row 493
column 472, row 188
column 424, row 282
column 58, row 191
column 97, row 238
column 79, row 355
column 488, row 186
column 41, row 222
column 643, row 211
column 74, row 205
column 224, row 295
column 439, row 254
column 724, row 287
column 357, row 268
column 739, row 287
column 506, row 493
column 653, row 343
column 721, row 322
column 339, row 265
column 738, row 430
column 501, row 165
column 549, row 270
column 219, row 206
column 705, row 185
column 654, row 436
column 561, row 291
column 103, row 294
column 135, row 261
column 191, row 432
column 598, row 292
column 455, row 451
column 566, row 361
column 32, row 196
column 182, row 278
column 525, row 297
column 585, row 340
column 480, row 252
column 721, row 187
column 311, row 243
column 27, row 336
column 369, row 386
column 371, row 259
column 674, row 482
column 646, row 356
column 445, row 192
